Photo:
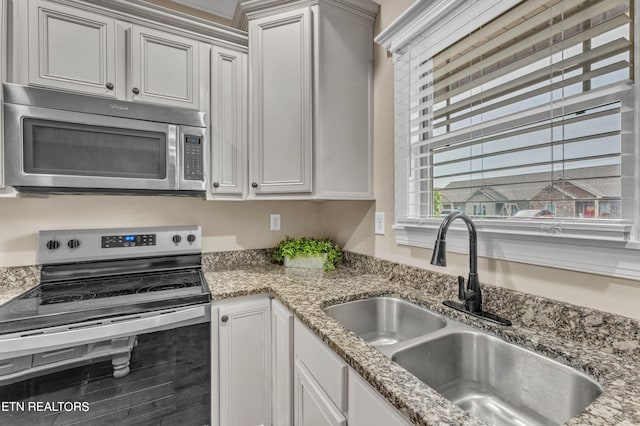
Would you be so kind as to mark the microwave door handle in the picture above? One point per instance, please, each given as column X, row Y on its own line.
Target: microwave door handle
column 100, row 330
column 175, row 156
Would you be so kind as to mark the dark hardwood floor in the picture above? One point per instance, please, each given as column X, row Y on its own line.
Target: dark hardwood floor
column 169, row 384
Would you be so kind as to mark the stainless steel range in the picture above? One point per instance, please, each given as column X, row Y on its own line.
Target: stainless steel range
column 127, row 299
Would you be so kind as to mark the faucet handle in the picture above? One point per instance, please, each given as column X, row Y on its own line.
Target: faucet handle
column 461, row 292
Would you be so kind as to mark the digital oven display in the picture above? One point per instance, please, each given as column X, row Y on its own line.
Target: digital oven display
column 112, row 241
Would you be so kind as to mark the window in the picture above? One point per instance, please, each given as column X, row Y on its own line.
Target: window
column 522, row 115
column 531, row 111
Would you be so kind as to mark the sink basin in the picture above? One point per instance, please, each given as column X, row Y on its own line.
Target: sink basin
column 383, row 321
column 499, row 382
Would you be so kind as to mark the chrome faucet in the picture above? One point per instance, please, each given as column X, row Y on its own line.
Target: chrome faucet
column 472, row 296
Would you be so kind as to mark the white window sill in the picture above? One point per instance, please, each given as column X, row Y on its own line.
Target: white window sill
column 597, row 248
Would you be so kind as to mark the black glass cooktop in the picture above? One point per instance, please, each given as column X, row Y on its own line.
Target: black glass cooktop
column 86, row 290
column 65, row 302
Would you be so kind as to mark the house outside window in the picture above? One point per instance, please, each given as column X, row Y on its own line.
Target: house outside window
column 506, row 106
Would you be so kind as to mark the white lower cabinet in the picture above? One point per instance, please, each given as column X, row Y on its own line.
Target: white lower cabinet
column 320, row 381
column 268, row 368
column 281, row 364
column 368, row 408
column 244, row 329
column 312, row 406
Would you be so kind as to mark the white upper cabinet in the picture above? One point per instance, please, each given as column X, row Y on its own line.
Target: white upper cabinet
column 310, row 98
column 164, row 68
column 280, row 100
column 71, row 49
column 343, row 82
column 82, row 51
column 228, row 123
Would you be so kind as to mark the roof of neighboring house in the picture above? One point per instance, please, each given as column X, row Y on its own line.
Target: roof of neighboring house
column 487, row 193
column 591, row 182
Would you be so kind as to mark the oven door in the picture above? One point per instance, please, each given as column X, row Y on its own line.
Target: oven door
column 63, row 149
column 150, row 368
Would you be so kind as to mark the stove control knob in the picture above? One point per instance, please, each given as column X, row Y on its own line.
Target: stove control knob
column 53, row 244
column 177, row 238
column 191, row 238
column 73, row 244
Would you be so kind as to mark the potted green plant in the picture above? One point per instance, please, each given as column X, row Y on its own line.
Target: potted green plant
column 308, row 253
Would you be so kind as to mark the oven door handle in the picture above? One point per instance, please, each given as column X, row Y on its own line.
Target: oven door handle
column 19, row 344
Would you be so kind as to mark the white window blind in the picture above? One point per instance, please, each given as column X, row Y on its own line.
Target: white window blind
column 529, row 115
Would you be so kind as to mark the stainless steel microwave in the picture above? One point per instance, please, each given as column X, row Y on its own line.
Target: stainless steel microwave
column 58, row 142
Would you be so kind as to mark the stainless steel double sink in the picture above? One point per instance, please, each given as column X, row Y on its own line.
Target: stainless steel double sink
column 499, row 382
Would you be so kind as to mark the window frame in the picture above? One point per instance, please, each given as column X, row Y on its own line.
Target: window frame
column 605, row 248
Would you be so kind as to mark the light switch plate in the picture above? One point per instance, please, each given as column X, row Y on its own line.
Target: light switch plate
column 274, row 222
column 379, row 223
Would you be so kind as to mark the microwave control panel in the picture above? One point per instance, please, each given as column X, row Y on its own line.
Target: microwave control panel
column 193, row 157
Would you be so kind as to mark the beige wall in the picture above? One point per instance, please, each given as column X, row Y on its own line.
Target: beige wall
column 351, row 224
column 225, row 225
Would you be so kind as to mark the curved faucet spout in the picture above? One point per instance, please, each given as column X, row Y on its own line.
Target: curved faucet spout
column 472, row 295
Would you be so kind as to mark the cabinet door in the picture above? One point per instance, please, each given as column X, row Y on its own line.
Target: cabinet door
column 281, row 364
column 312, row 407
column 71, row 49
column 164, row 68
column 281, row 105
column 368, row 408
column 244, row 363
column 215, row 367
column 228, row 122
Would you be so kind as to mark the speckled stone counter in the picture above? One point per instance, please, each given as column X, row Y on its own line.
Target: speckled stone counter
column 603, row 345
column 16, row 280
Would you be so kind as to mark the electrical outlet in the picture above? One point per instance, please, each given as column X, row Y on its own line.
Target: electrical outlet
column 379, row 223
column 274, row 222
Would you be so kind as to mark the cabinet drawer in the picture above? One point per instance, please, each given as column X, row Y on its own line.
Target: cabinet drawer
column 325, row 366
column 58, row 355
column 12, row 365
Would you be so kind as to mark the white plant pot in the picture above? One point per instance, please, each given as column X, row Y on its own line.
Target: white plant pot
column 309, row 262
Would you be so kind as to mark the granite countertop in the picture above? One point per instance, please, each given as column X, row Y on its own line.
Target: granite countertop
column 305, row 293
column 16, row 280
column 603, row 345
